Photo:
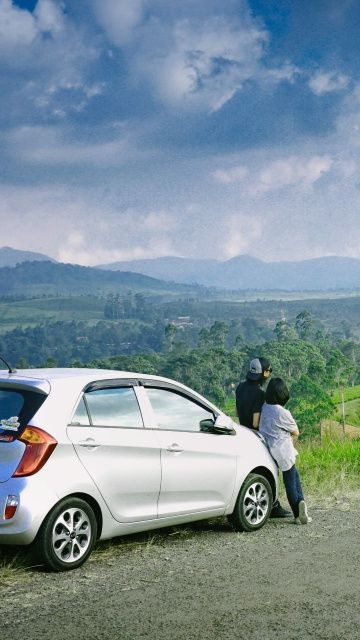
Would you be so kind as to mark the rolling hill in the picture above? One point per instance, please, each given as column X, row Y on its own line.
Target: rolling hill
column 246, row 273
column 39, row 278
column 11, row 257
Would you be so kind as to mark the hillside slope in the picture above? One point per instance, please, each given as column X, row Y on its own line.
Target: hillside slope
column 245, row 272
column 48, row 278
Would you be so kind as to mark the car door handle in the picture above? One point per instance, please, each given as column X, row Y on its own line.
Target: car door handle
column 89, row 443
column 174, row 448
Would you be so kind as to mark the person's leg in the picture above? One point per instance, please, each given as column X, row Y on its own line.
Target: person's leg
column 298, row 485
column 292, row 482
column 295, row 495
column 302, row 507
column 278, row 511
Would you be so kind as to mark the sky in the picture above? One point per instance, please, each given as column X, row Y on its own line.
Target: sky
column 137, row 129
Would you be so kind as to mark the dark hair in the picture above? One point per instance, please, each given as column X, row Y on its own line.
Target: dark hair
column 277, row 392
column 265, row 364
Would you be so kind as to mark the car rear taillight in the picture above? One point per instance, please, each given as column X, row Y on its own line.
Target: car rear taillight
column 39, row 447
column 12, row 503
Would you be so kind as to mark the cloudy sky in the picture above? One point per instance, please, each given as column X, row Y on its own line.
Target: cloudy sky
column 197, row 128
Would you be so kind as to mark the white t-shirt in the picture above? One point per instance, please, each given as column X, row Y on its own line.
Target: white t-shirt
column 276, row 425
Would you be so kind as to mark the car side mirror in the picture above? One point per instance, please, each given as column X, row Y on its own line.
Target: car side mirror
column 223, row 425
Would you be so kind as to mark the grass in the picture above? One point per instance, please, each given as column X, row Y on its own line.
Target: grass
column 15, row 563
column 350, row 393
column 331, row 467
column 352, row 412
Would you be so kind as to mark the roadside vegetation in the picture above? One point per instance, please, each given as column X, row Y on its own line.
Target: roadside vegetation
column 207, row 344
column 331, row 467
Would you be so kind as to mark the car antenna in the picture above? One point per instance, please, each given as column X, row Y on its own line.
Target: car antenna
column 11, row 370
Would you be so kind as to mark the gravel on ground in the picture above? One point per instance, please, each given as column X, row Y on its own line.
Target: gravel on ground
column 202, row 581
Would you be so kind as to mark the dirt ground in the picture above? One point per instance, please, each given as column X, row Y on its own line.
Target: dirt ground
column 202, row 582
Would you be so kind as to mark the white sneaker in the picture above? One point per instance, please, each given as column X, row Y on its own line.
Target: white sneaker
column 296, row 521
column 303, row 514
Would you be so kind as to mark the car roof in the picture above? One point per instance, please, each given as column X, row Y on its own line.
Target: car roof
column 44, row 379
column 86, row 374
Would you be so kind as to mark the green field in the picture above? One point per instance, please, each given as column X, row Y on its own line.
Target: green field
column 352, row 412
column 351, row 397
column 350, row 393
column 34, row 311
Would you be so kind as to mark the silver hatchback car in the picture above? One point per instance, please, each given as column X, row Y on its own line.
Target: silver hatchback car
column 88, row 454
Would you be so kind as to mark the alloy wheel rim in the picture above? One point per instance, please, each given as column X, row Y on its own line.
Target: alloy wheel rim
column 71, row 536
column 256, row 503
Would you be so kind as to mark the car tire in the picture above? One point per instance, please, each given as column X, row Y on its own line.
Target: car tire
column 67, row 535
column 253, row 505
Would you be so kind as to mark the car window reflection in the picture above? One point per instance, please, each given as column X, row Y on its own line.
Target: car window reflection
column 174, row 411
column 116, row 407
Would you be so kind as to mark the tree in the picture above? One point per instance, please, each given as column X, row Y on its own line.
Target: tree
column 339, row 369
column 291, row 359
column 309, row 404
column 170, row 335
column 305, row 325
column 284, row 331
column 219, row 332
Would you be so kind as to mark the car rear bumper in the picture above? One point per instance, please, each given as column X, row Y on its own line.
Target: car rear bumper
column 35, row 501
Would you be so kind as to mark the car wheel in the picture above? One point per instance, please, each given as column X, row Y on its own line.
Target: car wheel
column 253, row 505
column 67, row 535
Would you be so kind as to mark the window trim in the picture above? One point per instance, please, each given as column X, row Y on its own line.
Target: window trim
column 98, row 386
column 180, row 392
column 169, row 386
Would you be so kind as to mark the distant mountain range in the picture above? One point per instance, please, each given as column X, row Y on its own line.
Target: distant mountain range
column 50, row 278
column 245, row 272
column 240, row 273
column 11, row 257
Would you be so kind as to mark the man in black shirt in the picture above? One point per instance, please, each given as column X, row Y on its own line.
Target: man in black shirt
column 250, row 398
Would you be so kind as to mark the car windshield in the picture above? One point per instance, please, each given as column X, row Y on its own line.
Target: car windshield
column 17, row 407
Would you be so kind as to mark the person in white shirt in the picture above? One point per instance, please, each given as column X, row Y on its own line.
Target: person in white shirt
column 279, row 428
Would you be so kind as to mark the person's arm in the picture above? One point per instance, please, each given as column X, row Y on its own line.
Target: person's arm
column 258, row 405
column 295, row 434
column 256, row 420
column 289, row 423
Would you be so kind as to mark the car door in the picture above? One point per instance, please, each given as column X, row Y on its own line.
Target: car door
column 121, row 456
column 198, row 468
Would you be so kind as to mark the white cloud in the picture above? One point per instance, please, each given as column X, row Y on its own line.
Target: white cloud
column 229, row 176
column 55, row 146
column 285, row 72
column 158, row 221
column 84, row 255
column 19, row 28
column 81, row 225
column 324, row 82
column 191, row 62
column 49, row 16
column 49, row 55
column 240, row 235
column 201, row 64
column 119, row 19
column 291, row 171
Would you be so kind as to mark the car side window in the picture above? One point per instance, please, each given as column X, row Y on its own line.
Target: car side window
column 81, row 417
column 175, row 411
column 114, row 407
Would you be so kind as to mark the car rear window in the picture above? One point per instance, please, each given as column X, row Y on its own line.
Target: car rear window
column 17, row 407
